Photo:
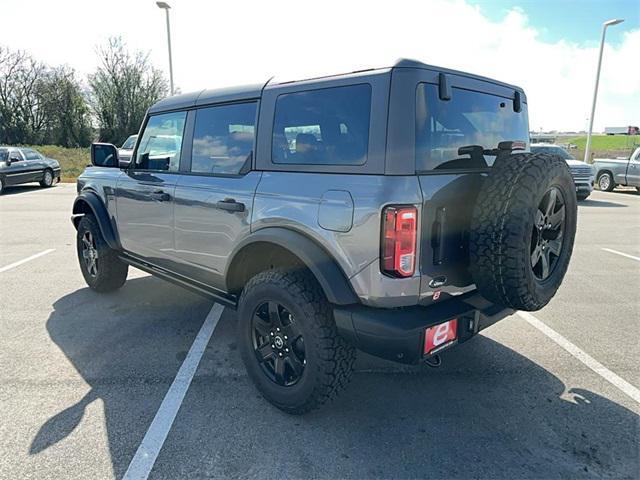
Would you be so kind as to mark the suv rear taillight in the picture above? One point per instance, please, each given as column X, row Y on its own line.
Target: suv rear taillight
column 399, row 231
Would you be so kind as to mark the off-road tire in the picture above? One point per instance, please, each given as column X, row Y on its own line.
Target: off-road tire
column 47, row 179
column 329, row 358
column 610, row 186
column 502, row 227
column 111, row 271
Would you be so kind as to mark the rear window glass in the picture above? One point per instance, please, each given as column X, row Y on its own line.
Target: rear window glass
column 323, row 127
column 469, row 118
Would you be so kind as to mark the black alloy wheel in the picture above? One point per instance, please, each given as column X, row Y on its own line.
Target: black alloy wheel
column 278, row 343
column 547, row 234
column 90, row 253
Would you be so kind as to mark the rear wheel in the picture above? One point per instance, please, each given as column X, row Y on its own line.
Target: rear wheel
column 289, row 342
column 47, row 179
column 101, row 268
column 522, row 231
column 605, row 182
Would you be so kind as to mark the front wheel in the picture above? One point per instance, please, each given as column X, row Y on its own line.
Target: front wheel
column 289, row 342
column 47, row 179
column 101, row 268
column 605, row 182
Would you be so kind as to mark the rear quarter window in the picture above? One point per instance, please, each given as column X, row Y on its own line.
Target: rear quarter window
column 328, row 126
column 468, row 118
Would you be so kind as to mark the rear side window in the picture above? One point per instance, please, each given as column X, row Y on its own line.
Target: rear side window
column 223, row 138
column 323, row 127
column 469, row 118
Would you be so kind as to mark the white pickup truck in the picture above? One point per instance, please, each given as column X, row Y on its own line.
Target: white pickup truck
column 620, row 171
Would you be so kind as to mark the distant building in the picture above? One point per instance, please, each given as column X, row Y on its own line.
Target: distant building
column 629, row 130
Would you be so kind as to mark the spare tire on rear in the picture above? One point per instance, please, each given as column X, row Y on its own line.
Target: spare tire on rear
column 522, row 230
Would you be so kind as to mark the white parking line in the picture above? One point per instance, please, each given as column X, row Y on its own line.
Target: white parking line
column 25, row 260
column 148, row 451
column 637, row 259
column 584, row 357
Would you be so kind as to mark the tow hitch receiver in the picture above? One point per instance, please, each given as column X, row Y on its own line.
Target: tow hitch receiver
column 440, row 336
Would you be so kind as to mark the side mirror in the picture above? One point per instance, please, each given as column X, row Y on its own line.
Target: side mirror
column 8, row 162
column 104, row 155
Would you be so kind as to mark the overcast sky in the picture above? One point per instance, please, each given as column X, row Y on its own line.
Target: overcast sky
column 548, row 47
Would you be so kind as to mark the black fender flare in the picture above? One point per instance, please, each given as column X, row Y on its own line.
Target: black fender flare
column 97, row 207
column 330, row 276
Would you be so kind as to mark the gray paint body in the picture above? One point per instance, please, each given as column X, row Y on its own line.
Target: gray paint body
column 339, row 208
column 625, row 172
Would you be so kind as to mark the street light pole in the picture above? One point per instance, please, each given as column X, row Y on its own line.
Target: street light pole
column 587, row 149
column 165, row 6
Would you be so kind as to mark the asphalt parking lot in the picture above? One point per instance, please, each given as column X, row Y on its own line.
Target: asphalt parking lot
column 83, row 375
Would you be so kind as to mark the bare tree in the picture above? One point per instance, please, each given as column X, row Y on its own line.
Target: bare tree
column 122, row 89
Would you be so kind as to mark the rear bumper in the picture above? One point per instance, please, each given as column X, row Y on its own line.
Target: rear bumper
column 398, row 334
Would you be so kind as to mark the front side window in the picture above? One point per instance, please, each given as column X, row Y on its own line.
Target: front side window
column 31, row 154
column 161, row 142
column 223, row 138
column 323, row 127
column 468, row 118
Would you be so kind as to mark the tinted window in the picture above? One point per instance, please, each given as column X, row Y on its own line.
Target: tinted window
column 561, row 152
column 469, row 118
column 323, row 127
column 161, row 142
column 223, row 138
column 4, row 154
column 31, row 154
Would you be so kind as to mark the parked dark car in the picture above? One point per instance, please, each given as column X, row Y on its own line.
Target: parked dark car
column 396, row 211
column 25, row 165
column 583, row 174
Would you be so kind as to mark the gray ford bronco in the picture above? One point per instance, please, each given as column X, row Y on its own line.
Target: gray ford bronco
column 397, row 211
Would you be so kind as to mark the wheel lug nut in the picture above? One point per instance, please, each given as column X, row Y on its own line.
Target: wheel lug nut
column 272, row 334
column 280, row 354
column 273, row 346
column 286, row 350
column 286, row 338
column 277, row 329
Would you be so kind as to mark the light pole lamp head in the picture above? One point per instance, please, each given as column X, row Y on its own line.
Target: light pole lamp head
column 608, row 23
column 164, row 5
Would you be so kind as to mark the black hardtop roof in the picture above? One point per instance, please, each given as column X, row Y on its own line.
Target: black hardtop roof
column 248, row 92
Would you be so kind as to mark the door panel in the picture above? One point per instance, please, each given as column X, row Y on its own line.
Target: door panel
column 206, row 231
column 145, row 195
column 18, row 172
column 145, row 214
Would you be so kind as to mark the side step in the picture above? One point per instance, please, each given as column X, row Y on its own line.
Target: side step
column 177, row 279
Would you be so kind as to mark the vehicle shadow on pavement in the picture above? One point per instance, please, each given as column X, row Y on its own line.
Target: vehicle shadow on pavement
column 599, row 203
column 489, row 412
column 128, row 346
column 20, row 189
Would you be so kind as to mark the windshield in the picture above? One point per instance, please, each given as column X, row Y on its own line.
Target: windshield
column 129, row 143
column 553, row 150
column 4, row 154
column 469, row 118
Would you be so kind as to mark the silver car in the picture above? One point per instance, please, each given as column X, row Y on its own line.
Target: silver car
column 583, row 173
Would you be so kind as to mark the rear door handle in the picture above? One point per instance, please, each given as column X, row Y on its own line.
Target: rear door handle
column 160, row 196
column 230, row 205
